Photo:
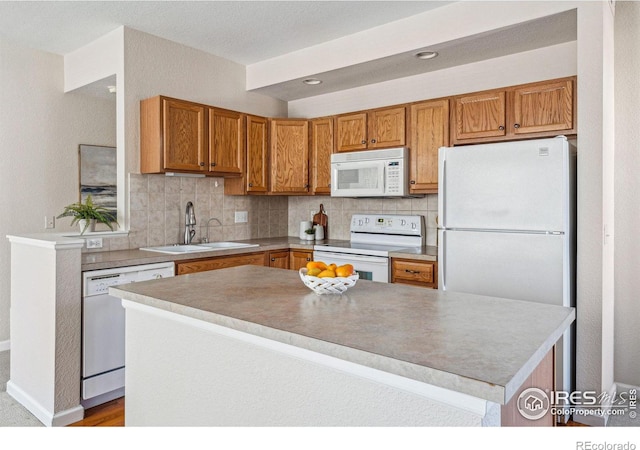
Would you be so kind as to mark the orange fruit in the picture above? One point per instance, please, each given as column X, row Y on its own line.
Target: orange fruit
column 316, row 265
column 327, row 274
column 344, row 270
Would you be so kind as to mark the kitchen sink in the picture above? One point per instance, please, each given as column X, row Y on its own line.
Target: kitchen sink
column 177, row 249
column 192, row 248
column 225, row 245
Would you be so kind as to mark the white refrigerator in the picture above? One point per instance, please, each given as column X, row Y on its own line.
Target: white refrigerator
column 506, row 217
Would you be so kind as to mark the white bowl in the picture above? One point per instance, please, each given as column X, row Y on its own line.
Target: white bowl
column 336, row 285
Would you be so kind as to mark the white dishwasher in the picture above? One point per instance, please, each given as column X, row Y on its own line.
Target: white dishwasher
column 103, row 329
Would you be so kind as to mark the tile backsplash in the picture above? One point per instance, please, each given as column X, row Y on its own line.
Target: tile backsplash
column 339, row 211
column 158, row 203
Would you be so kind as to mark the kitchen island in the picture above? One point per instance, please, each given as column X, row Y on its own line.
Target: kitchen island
column 253, row 346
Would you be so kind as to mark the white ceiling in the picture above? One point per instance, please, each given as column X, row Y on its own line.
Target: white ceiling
column 248, row 32
column 242, row 31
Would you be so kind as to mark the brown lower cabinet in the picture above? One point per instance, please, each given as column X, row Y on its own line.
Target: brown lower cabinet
column 220, row 262
column 299, row 258
column 414, row 272
column 279, row 259
column 283, row 259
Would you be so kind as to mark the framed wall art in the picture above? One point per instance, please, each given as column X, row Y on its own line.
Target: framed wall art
column 98, row 176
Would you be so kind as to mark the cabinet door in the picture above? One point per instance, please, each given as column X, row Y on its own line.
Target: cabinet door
column 289, row 156
column 299, row 258
column 351, row 130
column 320, row 159
column 184, row 135
column 257, row 155
column 226, row 142
column 279, row 259
column 386, row 127
column 543, row 107
column 479, row 116
column 429, row 132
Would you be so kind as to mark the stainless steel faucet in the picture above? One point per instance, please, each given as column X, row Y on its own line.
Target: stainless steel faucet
column 189, row 224
column 206, row 239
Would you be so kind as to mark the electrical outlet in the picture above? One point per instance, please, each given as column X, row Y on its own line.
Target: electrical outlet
column 94, row 243
column 242, row 217
column 49, row 222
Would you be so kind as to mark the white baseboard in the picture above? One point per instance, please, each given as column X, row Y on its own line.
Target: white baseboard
column 5, row 346
column 48, row 418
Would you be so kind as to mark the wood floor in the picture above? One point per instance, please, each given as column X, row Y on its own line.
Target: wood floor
column 111, row 414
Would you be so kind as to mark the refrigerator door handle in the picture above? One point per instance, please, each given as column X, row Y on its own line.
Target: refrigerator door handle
column 442, row 266
column 442, row 192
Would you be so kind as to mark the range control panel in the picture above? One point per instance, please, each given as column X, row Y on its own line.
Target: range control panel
column 388, row 224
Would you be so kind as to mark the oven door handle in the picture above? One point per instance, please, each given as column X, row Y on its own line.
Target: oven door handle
column 352, row 257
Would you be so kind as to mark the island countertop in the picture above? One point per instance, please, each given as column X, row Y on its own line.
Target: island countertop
column 480, row 346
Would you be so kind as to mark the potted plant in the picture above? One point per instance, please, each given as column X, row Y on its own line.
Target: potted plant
column 310, row 234
column 88, row 214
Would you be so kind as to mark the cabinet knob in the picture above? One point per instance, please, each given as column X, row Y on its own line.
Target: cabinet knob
column 373, row 141
column 363, row 141
column 308, row 259
column 250, row 184
column 501, row 127
column 412, row 182
column 273, row 259
column 516, row 125
column 201, row 164
column 213, row 164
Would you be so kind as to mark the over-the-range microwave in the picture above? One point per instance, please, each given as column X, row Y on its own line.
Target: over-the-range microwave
column 370, row 173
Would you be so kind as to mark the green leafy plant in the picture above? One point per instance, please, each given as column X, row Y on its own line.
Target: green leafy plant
column 88, row 211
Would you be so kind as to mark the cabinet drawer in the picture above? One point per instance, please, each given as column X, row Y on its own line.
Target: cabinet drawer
column 422, row 273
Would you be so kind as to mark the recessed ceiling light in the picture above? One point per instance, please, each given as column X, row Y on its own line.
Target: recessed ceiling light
column 112, row 89
column 426, row 55
column 312, row 81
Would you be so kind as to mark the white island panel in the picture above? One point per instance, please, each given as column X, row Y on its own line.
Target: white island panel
column 187, row 372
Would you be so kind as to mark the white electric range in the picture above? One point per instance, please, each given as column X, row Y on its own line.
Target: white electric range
column 373, row 237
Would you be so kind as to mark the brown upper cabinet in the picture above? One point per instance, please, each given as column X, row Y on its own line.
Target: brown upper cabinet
column 289, row 148
column 182, row 136
column 256, row 176
column 378, row 128
column 226, row 142
column 540, row 109
column 429, row 130
column 321, row 148
column 172, row 136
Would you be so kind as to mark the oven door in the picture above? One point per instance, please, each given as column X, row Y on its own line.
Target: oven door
column 358, row 179
column 374, row 268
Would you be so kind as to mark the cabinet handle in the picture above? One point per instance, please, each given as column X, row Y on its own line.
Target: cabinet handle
column 201, row 164
column 363, row 141
column 412, row 182
column 501, row 127
column 516, row 125
column 213, row 164
column 373, row 141
column 415, row 272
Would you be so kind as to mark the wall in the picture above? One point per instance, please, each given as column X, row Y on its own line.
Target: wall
column 41, row 128
column 627, row 193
